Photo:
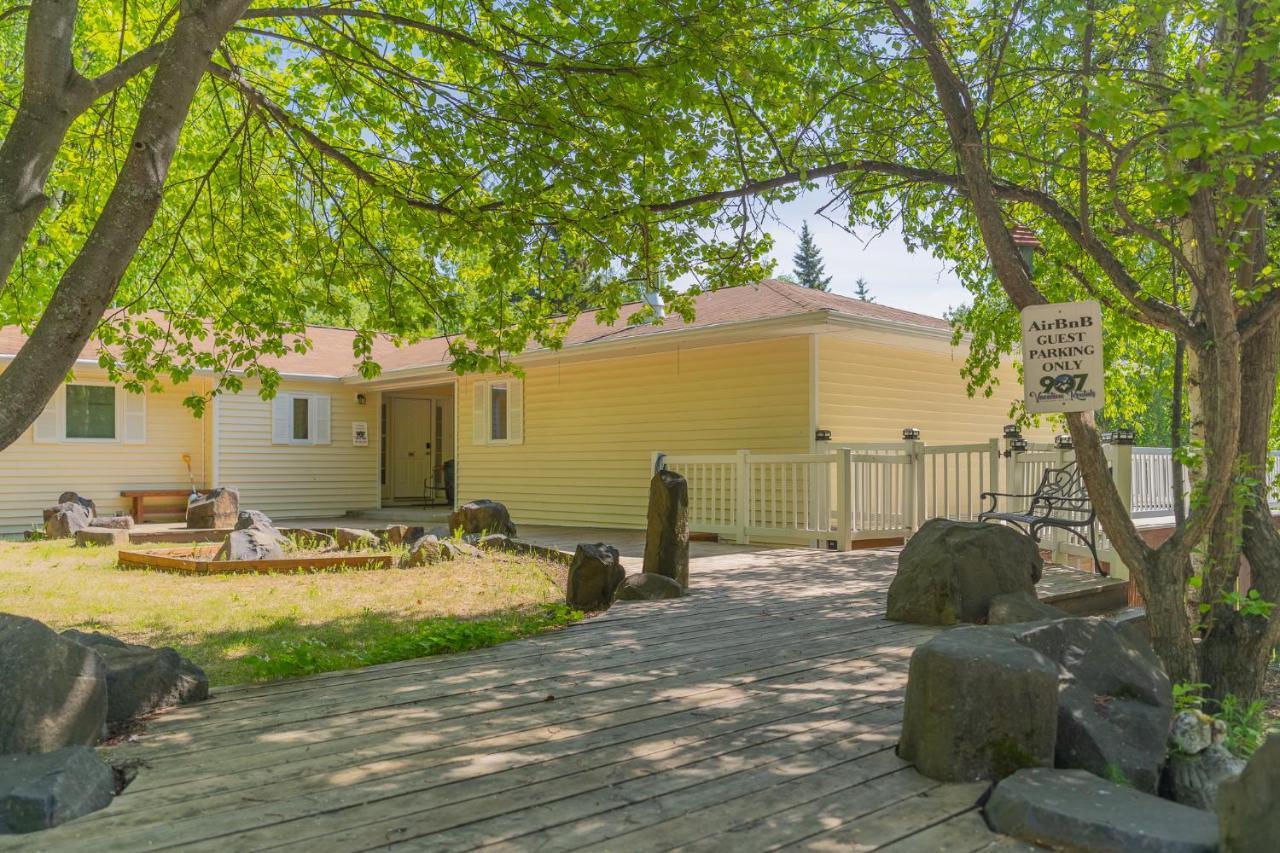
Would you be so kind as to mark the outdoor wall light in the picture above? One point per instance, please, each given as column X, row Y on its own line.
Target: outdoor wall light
column 911, row 433
column 360, row 400
column 822, row 435
column 1012, row 431
column 1062, row 442
column 1018, row 444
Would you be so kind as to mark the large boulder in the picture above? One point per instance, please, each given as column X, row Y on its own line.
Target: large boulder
column 65, row 520
column 666, row 542
column 645, row 586
column 53, row 692
column 73, row 497
column 249, row 517
column 1247, row 809
column 979, row 706
column 42, row 791
column 354, row 539
column 1075, row 810
column 1114, row 700
column 950, row 571
column 102, row 536
column 255, row 542
column 140, row 679
column 1194, row 780
column 1014, row 607
column 482, row 516
column 219, row 509
column 594, row 574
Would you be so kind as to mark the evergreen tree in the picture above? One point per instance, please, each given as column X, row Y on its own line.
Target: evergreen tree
column 808, row 262
column 862, row 290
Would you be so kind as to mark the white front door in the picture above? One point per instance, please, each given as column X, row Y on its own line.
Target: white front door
column 411, row 451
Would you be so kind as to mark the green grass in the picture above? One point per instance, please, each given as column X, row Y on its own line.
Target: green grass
column 253, row 627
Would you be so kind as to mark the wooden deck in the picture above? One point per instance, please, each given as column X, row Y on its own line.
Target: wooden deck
column 759, row 713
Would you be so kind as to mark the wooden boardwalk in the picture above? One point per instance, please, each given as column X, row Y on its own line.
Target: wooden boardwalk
column 759, row 713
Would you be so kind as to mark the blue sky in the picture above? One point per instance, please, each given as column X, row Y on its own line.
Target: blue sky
column 915, row 281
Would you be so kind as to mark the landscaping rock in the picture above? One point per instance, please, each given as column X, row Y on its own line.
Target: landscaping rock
column 1114, row 699
column 499, row 542
column 950, row 571
column 217, row 510
column 400, row 534
column 482, row 516
column 312, row 539
column 1194, row 780
column 1191, row 732
column 141, row 679
column 666, row 542
column 65, row 520
column 42, row 791
column 1014, row 607
column 455, row 550
column 53, row 692
column 425, row 552
column 353, row 539
column 249, row 517
column 255, row 542
column 594, row 574
column 645, row 586
column 979, row 706
column 73, row 497
column 102, row 536
column 1075, row 810
column 1247, row 805
column 113, row 522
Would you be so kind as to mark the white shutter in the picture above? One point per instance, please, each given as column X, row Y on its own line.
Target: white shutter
column 480, row 412
column 48, row 427
column 319, row 410
column 281, row 414
column 515, row 411
column 135, row 416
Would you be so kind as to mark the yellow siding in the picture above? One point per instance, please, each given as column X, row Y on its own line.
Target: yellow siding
column 32, row 474
column 868, row 392
column 591, row 427
column 287, row 481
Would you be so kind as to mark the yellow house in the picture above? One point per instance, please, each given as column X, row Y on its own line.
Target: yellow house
column 762, row 368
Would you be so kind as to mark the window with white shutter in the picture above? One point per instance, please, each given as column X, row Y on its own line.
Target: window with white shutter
column 302, row 419
column 498, row 412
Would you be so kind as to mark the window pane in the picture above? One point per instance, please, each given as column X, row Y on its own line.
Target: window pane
column 301, row 419
column 91, row 411
column 498, row 412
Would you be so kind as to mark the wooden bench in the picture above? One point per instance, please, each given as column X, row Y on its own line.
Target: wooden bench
column 1060, row 501
column 139, row 497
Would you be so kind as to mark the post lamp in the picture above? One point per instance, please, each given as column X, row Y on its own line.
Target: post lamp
column 1121, row 435
column 1063, row 442
column 910, row 434
column 1012, row 431
column 1017, row 445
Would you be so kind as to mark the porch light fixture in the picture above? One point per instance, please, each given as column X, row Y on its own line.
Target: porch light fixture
column 822, row 435
column 1012, row 431
column 1017, row 445
column 1062, row 442
column 910, row 434
column 1123, row 435
column 360, row 399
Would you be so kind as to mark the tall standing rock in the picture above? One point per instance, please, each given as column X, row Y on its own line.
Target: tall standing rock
column 217, row 510
column 666, row 544
column 594, row 574
column 1247, row 813
column 53, row 691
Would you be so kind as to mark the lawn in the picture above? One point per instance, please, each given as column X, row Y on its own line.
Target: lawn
column 252, row 627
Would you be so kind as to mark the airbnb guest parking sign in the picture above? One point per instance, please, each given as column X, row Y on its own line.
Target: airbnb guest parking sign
column 1062, row 357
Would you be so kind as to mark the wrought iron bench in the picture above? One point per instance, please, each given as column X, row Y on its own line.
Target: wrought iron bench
column 1060, row 501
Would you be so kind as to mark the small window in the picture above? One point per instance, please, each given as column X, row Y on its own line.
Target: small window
column 91, row 412
column 498, row 412
column 301, row 419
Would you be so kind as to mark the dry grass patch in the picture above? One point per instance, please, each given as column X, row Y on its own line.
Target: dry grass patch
column 245, row 627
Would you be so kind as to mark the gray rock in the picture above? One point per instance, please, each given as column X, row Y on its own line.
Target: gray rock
column 53, row 692
column 950, row 571
column 1247, row 809
column 1194, row 780
column 427, row 551
column 457, row 550
column 73, row 497
column 499, row 542
column 217, row 510
column 1114, row 699
column 1014, row 607
column 594, row 574
column 666, row 541
column 102, row 536
column 353, row 539
column 979, row 706
column 42, row 791
column 113, row 522
column 255, row 542
column 645, row 586
column 249, row 517
column 482, row 516
column 401, row 534
column 1191, row 732
column 1075, row 810
column 141, row 679
column 65, row 520
column 312, row 540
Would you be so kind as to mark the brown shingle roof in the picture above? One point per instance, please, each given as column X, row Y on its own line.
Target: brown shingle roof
column 330, row 354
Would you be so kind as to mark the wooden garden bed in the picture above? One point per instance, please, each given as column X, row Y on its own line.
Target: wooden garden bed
column 199, row 560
